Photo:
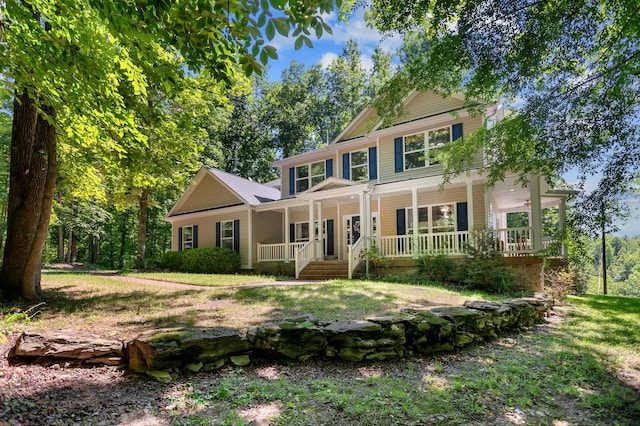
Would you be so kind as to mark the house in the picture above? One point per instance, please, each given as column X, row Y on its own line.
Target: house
column 373, row 185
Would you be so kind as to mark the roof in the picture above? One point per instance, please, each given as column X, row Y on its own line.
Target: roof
column 253, row 193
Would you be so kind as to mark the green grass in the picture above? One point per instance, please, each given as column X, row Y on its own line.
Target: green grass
column 207, row 280
column 564, row 375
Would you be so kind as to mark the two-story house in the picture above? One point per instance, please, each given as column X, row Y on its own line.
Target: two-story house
column 373, row 184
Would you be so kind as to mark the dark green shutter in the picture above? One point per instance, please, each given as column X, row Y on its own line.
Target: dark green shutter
column 195, row 236
column 292, row 180
column 462, row 216
column 346, row 166
column 398, row 151
column 456, row 131
column 236, row 235
column 373, row 163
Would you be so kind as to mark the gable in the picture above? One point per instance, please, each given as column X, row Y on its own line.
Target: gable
column 425, row 104
column 208, row 193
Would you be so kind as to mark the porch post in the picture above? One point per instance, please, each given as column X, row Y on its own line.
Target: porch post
column 414, row 214
column 312, row 232
column 536, row 213
column 562, row 215
column 320, row 235
column 250, row 238
column 470, row 205
column 287, row 235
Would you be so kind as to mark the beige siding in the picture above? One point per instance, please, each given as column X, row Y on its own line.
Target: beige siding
column 207, row 231
column 425, row 105
column 207, row 195
column 386, row 156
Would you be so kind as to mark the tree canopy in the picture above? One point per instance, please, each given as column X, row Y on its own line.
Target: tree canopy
column 569, row 70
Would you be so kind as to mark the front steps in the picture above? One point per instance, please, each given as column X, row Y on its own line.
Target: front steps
column 326, row 270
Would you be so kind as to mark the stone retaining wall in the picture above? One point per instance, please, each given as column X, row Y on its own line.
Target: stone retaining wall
column 161, row 353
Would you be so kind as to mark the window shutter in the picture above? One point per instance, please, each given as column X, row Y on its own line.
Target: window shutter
column 462, row 216
column 401, row 222
column 373, row 163
column 456, row 131
column 180, row 239
column 195, row 236
column 292, row 180
column 398, row 151
column 328, row 168
column 330, row 240
column 346, row 166
column 236, row 235
column 217, row 234
column 292, row 232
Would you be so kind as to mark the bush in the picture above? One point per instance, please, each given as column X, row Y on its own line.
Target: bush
column 211, row 260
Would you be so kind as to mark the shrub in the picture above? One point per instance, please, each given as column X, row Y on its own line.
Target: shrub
column 210, row 260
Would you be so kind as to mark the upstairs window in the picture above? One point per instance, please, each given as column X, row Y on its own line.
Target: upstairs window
column 420, row 148
column 359, row 165
column 309, row 175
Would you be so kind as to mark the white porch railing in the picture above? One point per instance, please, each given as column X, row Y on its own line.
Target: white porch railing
column 354, row 257
column 514, row 241
column 447, row 243
column 309, row 252
column 280, row 252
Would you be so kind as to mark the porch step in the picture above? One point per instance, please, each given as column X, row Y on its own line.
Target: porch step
column 326, row 270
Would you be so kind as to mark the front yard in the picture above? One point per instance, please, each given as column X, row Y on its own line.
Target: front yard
column 581, row 367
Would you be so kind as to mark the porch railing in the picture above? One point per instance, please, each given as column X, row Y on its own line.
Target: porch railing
column 309, row 252
column 354, row 255
column 447, row 243
column 280, row 252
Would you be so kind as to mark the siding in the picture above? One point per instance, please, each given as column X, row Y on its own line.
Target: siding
column 207, row 232
column 386, row 156
column 208, row 194
column 426, row 104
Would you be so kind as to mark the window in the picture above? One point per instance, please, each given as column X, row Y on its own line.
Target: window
column 187, row 237
column 226, row 234
column 437, row 218
column 309, row 175
column 420, row 148
column 359, row 165
column 302, row 231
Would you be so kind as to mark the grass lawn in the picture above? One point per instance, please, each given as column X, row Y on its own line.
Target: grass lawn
column 581, row 368
column 107, row 306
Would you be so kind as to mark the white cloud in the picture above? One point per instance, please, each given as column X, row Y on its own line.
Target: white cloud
column 326, row 59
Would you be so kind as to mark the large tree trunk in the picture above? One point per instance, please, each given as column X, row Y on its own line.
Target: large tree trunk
column 32, row 178
column 142, row 228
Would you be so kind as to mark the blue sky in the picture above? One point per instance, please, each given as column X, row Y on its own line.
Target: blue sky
column 330, row 46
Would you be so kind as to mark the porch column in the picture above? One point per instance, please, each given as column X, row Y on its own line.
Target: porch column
column 470, row 206
column 562, row 216
column 312, row 233
column 250, row 248
column 287, row 235
column 320, row 235
column 414, row 217
column 536, row 213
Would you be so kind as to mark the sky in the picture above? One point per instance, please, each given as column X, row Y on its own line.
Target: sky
column 330, row 46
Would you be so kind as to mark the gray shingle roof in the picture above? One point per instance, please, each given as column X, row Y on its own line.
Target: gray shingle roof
column 253, row 193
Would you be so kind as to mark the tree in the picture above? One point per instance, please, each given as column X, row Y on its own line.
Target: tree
column 69, row 63
column 569, row 69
